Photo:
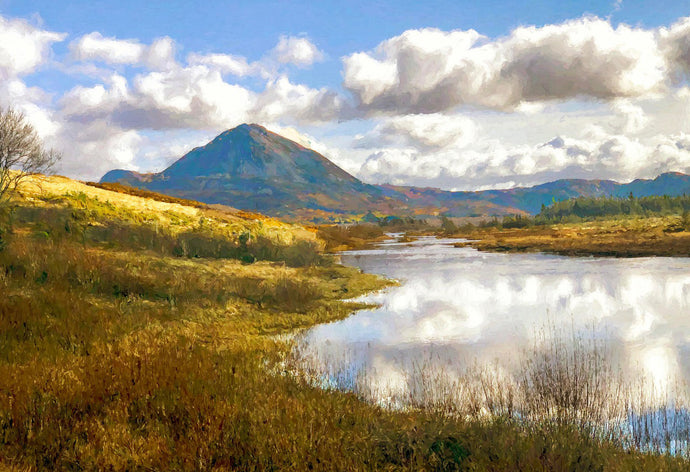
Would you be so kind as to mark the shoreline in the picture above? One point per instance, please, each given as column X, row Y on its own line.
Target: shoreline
column 642, row 237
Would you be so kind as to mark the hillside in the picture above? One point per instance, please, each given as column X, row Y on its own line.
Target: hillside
column 254, row 169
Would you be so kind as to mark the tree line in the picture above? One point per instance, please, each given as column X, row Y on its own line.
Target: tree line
column 579, row 209
column 596, row 207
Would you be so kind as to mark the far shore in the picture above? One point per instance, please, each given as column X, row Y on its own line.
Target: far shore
column 634, row 237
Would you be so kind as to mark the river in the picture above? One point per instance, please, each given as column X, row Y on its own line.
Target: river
column 458, row 310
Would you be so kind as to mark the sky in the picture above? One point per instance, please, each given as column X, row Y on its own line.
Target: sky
column 460, row 95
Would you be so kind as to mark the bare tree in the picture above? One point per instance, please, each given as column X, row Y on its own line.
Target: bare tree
column 21, row 153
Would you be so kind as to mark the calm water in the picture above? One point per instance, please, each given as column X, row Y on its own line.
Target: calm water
column 457, row 307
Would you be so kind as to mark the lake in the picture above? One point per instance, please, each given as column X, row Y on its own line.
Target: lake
column 460, row 313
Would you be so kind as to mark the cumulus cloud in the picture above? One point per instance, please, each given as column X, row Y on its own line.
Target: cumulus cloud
column 197, row 97
column 296, row 50
column 24, row 47
column 281, row 99
column 411, row 85
column 426, row 71
column 226, row 63
column 91, row 149
column 631, row 118
column 675, row 42
column 160, row 54
column 95, row 47
column 423, row 132
column 194, row 97
column 491, row 163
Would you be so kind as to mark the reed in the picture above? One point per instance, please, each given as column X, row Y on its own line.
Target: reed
column 566, row 381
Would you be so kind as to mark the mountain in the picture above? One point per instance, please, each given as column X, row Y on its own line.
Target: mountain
column 251, row 168
column 530, row 199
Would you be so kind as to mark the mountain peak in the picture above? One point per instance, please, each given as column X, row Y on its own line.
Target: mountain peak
column 246, row 129
column 251, row 163
column 251, row 151
column 249, row 127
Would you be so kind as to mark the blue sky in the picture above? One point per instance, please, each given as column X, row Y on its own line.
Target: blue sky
column 461, row 95
column 337, row 27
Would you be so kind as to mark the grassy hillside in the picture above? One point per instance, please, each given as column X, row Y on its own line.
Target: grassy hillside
column 138, row 334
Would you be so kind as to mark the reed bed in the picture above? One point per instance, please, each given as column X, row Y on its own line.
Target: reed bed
column 565, row 380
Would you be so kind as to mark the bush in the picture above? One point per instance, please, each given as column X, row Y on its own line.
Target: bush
column 350, row 236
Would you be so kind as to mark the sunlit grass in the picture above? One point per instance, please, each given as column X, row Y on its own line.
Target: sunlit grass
column 620, row 237
column 119, row 353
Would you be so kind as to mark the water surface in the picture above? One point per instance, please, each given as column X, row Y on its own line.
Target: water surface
column 458, row 307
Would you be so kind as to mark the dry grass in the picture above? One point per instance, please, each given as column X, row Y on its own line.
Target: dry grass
column 118, row 357
column 355, row 236
column 632, row 237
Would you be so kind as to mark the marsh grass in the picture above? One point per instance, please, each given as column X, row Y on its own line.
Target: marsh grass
column 566, row 381
column 354, row 236
column 94, row 223
column 611, row 236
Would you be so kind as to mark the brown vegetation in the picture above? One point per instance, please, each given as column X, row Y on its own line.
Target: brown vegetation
column 354, row 236
column 631, row 237
column 119, row 353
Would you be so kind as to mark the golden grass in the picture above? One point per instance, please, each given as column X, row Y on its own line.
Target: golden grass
column 630, row 237
column 354, row 236
column 130, row 358
column 167, row 210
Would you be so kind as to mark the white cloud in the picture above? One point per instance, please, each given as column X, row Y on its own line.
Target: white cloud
column 95, row 47
column 425, row 71
column 283, row 100
column 159, row 55
column 226, row 63
column 631, row 118
column 296, row 50
column 489, row 163
column 423, row 132
column 91, row 149
column 24, row 47
column 194, row 97
column 30, row 101
column 584, row 81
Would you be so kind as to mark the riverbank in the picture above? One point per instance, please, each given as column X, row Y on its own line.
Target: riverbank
column 632, row 237
column 141, row 335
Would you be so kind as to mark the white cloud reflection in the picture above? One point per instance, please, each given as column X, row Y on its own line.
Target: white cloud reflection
column 457, row 307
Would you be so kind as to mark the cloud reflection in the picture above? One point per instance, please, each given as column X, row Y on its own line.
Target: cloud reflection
column 457, row 307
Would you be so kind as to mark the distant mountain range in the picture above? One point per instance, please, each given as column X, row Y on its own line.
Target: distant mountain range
column 251, row 168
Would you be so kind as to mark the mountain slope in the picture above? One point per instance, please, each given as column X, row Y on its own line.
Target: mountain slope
column 254, row 169
column 251, row 168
